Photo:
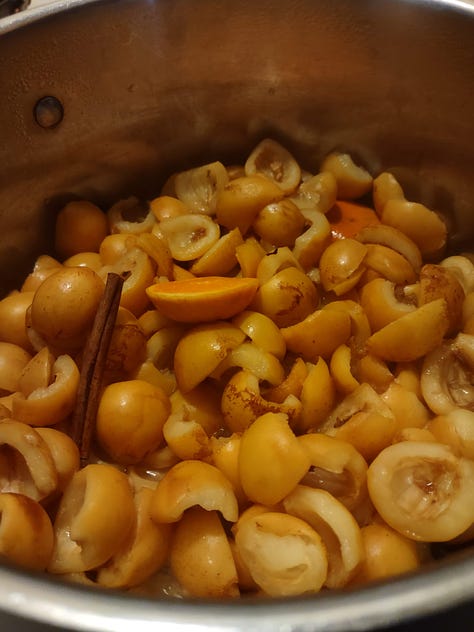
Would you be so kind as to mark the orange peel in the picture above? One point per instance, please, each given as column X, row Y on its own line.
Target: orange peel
column 203, row 299
column 348, row 218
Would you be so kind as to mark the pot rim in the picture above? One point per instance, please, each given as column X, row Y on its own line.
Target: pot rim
column 439, row 587
column 33, row 14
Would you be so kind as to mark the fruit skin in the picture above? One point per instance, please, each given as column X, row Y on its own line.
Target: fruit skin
column 201, row 557
column 240, row 201
column 271, row 459
column 413, row 335
column 80, row 227
column 201, row 350
column 64, row 306
column 202, row 299
column 130, row 420
column 387, row 553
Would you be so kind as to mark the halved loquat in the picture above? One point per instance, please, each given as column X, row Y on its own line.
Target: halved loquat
column 202, row 299
column 201, row 350
column 319, row 334
column 413, row 335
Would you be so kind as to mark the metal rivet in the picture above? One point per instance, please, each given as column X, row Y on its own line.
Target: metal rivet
column 48, row 112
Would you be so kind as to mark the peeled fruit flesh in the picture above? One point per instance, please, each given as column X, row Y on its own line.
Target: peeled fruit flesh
column 446, row 375
column 189, row 236
column 144, row 551
column 199, row 187
column 283, row 402
column 336, row 526
column 276, row 163
column 13, row 310
column 280, row 223
column 13, row 360
column 283, row 554
column 391, row 237
column 423, row 490
column 242, row 402
column 385, row 187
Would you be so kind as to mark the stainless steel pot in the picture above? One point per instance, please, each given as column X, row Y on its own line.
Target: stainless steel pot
column 103, row 99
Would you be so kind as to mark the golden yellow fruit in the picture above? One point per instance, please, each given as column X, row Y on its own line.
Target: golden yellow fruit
column 287, row 297
column 353, row 181
column 239, row 202
column 26, row 534
column 436, row 282
column 271, row 459
column 276, row 163
column 282, row 553
column 201, row 557
column 337, row 527
column 279, row 223
column 130, row 420
column 413, row 335
column 13, row 309
column 387, row 553
column 64, row 307
column 342, row 264
column 425, row 227
column 319, row 334
column 201, row 350
column 94, row 518
column 423, row 490
column 80, row 226
column 13, row 360
column 190, row 483
column 144, row 551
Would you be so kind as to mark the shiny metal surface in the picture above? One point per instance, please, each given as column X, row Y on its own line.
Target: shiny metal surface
column 372, row 608
column 9, row 7
column 149, row 86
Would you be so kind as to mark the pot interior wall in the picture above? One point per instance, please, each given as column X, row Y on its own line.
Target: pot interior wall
column 148, row 87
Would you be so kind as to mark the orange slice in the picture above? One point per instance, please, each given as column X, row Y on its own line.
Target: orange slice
column 348, row 218
column 202, row 299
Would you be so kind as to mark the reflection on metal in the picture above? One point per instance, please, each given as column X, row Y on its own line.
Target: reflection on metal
column 9, row 7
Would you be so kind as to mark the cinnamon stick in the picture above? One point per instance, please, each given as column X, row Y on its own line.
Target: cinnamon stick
column 93, row 366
